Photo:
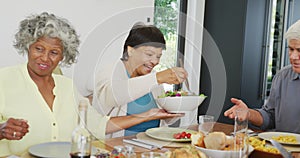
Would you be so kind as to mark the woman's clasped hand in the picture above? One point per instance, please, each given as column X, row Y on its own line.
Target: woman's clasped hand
column 14, row 129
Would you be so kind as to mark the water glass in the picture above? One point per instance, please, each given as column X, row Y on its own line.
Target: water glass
column 241, row 145
column 152, row 155
column 169, row 121
column 206, row 123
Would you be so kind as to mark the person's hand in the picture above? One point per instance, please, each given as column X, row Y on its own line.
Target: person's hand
column 155, row 113
column 231, row 113
column 13, row 129
column 173, row 75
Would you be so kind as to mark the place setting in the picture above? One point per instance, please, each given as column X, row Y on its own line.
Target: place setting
column 167, row 136
column 285, row 138
column 56, row 150
column 289, row 141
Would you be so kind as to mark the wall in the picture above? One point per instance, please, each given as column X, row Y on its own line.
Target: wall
column 294, row 11
column 102, row 23
column 224, row 22
column 253, row 52
column 234, row 34
column 293, row 16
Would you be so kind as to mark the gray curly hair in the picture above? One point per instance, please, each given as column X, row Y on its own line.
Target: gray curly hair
column 293, row 32
column 45, row 24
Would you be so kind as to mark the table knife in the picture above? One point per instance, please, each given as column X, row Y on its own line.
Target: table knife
column 281, row 149
column 149, row 143
column 143, row 145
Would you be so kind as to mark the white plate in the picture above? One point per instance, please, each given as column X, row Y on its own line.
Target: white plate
column 268, row 136
column 53, row 150
column 221, row 153
column 166, row 133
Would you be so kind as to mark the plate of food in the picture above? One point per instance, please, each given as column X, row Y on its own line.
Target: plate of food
column 53, row 150
column 217, row 145
column 170, row 134
column 281, row 137
column 263, row 149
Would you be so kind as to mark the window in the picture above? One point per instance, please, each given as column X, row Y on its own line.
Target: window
column 276, row 56
column 276, row 40
column 181, row 21
column 166, row 19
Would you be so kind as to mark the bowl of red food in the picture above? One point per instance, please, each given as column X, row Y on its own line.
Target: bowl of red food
column 179, row 101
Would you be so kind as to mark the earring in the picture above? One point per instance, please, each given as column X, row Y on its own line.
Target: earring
column 129, row 53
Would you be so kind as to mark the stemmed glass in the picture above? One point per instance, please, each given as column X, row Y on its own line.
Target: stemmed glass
column 206, row 123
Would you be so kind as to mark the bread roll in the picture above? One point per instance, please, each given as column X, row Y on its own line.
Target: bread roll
column 198, row 139
column 215, row 140
column 229, row 144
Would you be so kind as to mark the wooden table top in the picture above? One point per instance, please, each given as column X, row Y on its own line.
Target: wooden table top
column 226, row 128
column 108, row 144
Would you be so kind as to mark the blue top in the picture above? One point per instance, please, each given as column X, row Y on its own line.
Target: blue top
column 140, row 105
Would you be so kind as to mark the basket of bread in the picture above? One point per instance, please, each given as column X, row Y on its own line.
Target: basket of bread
column 217, row 144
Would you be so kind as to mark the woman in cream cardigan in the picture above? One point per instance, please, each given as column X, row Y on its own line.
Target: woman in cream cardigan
column 37, row 106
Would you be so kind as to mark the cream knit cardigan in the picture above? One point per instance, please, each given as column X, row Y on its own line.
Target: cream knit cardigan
column 112, row 90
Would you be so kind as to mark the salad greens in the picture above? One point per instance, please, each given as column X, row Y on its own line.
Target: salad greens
column 178, row 93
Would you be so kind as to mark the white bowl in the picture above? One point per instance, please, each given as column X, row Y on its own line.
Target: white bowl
column 221, row 153
column 180, row 104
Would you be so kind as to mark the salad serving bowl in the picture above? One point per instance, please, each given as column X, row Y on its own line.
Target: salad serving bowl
column 180, row 103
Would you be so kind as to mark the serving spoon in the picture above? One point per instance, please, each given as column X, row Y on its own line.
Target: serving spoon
column 186, row 80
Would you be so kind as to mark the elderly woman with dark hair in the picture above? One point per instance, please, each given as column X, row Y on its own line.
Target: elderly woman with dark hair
column 37, row 106
column 124, row 88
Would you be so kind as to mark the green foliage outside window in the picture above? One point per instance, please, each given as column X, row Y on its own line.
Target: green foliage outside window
column 166, row 16
column 166, row 19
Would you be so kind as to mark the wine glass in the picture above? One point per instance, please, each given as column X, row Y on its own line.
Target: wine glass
column 206, row 123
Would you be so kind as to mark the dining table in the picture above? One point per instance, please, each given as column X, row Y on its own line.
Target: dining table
column 109, row 143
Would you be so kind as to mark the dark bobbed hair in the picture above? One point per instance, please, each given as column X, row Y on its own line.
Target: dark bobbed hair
column 143, row 35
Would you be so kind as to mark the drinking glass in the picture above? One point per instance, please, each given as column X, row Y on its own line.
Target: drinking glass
column 206, row 123
column 152, row 155
column 169, row 122
column 241, row 145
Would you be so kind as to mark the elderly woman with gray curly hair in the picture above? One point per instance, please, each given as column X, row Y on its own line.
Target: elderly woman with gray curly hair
column 37, row 106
